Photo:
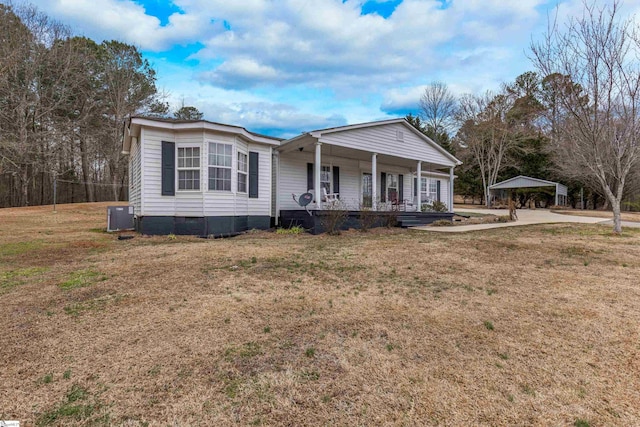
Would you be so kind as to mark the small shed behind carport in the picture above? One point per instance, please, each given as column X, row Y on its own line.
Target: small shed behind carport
column 528, row 182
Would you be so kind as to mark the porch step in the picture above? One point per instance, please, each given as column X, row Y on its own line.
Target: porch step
column 409, row 223
column 411, row 220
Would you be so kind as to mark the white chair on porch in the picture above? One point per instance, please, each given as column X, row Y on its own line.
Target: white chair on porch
column 329, row 197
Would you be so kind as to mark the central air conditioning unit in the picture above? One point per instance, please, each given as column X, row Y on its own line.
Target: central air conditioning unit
column 120, row 218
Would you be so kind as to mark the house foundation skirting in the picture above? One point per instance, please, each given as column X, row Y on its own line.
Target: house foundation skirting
column 200, row 226
column 314, row 223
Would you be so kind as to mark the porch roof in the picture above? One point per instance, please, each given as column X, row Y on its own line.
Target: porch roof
column 351, row 142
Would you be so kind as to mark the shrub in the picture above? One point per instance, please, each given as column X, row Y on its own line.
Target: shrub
column 503, row 218
column 390, row 219
column 367, row 218
column 334, row 216
column 441, row 223
column 435, row 206
column 438, row 206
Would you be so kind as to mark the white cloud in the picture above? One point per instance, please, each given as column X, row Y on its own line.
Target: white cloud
column 286, row 49
column 328, row 43
column 281, row 120
column 126, row 21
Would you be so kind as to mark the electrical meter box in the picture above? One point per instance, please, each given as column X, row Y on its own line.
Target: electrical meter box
column 120, row 218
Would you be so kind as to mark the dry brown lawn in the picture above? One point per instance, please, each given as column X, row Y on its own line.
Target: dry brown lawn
column 626, row 216
column 514, row 326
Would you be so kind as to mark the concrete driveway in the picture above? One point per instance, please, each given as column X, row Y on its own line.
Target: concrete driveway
column 525, row 217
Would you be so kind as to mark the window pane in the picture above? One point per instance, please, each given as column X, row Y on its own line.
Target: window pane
column 196, row 157
column 242, row 162
column 242, row 182
column 392, row 181
column 325, row 178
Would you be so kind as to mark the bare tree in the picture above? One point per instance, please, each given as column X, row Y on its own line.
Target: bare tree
column 437, row 109
column 35, row 80
column 129, row 88
column 485, row 133
column 597, row 140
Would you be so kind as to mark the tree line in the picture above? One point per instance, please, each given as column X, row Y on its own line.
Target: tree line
column 575, row 119
column 63, row 103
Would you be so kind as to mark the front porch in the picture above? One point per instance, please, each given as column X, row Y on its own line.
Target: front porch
column 314, row 221
column 386, row 168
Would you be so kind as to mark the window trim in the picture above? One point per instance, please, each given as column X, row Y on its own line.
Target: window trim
column 329, row 171
column 426, row 193
column 435, row 189
column 396, row 188
column 210, row 166
column 197, row 169
column 245, row 172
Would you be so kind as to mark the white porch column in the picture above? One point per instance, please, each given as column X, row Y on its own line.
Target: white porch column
column 276, row 165
column 317, row 167
column 419, row 186
column 374, row 181
column 451, row 189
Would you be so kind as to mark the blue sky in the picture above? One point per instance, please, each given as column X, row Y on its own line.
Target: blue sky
column 282, row 67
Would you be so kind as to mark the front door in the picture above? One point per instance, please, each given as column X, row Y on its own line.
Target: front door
column 367, row 190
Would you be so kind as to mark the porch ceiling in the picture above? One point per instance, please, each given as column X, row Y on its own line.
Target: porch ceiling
column 306, row 143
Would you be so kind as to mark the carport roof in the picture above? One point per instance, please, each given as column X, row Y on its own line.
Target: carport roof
column 528, row 182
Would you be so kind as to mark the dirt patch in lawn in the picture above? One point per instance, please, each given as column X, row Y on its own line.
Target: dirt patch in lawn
column 529, row 325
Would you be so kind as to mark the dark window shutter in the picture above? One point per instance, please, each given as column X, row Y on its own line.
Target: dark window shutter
column 438, row 190
column 253, row 175
column 383, row 187
column 309, row 176
column 336, row 180
column 400, row 187
column 168, row 168
column 415, row 187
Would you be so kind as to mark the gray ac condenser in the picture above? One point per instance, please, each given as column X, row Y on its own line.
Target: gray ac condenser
column 119, row 218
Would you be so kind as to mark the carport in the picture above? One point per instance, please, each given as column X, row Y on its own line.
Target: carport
column 528, row 182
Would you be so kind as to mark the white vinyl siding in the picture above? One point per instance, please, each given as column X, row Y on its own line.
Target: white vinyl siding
column 203, row 202
column 262, row 204
column 135, row 177
column 293, row 179
column 383, row 140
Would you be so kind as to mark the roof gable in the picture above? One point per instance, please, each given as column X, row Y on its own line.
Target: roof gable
column 395, row 137
column 522, row 181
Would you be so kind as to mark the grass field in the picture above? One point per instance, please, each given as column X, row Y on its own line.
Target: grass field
column 513, row 326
